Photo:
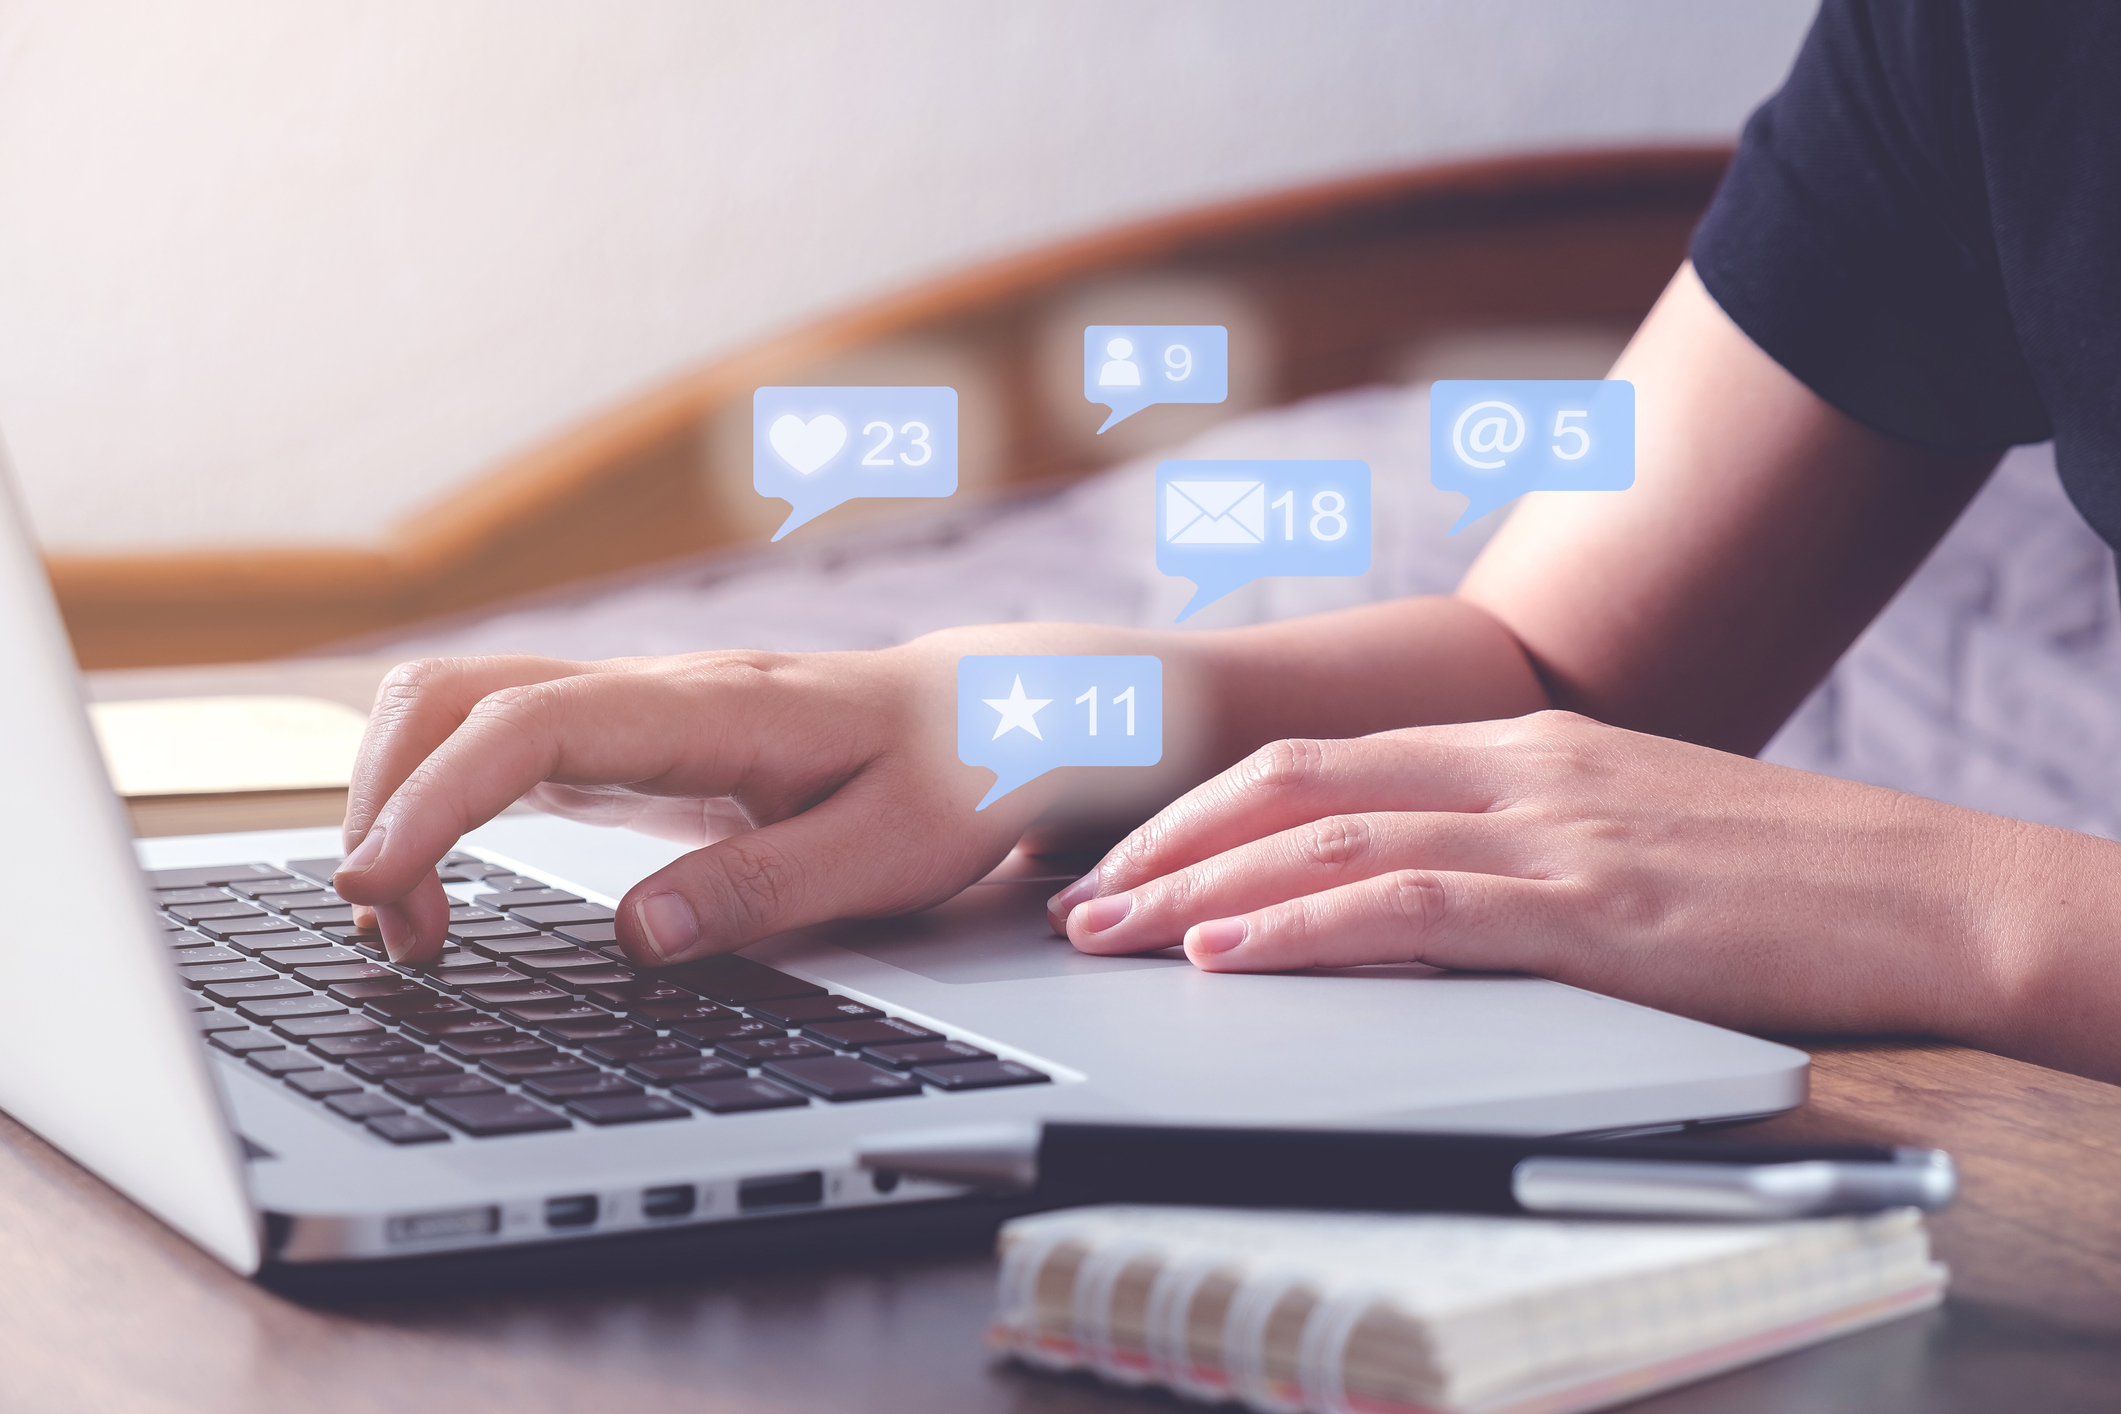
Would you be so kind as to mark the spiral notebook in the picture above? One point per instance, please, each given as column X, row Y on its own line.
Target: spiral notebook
column 1439, row 1314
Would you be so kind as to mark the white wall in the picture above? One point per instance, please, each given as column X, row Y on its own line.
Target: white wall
column 290, row 268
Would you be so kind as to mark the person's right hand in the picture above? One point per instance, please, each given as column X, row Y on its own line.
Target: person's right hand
column 816, row 785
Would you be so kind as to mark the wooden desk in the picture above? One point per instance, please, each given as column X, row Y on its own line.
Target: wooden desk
column 103, row 1310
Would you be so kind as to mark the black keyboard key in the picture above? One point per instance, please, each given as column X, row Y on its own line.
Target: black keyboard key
column 639, row 1049
column 309, row 1028
column 557, row 915
column 210, row 1019
column 541, row 1014
column 839, row 1079
column 734, row 981
column 490, row 975
column 680, row 1069
column 524, row 898
column 907, row 1055
column 173, row 898
column 319, row 1083
column 770, row 1048
column 465, row 913
column 277, row 885
column 499, row 931
column 510, row 948
column 391, row 1067
column 208, row 876
column 282, row 1061
column 508, row 883
column 626, row 1109
column 182, row 939
column 222, row 907
column 665, row 1015
column 724, row 1097
column 272, row 932
column 242, row 1043
column 455, row 959
column 980, row 1075
column 337, row 917
column 542, row 962
column 622, row 996
column 451, row 1026
column 485, row 1115
column 420, row 1088
column 341, row 1047
column 406, row 1129
column 355, row 937
column 270, row 985
column 574, row 1087
column 343, row 972
column 606, row 1028
column 282, row 941
column 588, row 934
column 800, row 1011
column 530, row 1067
column 853, row 1035
column 305, row 902
column 377, row 989
column 731, row 1027
column 583, row 979
column 362, row 1106
column 420, row 1001
column 289, row 960
column 276, row 1008
column 505, row 1041
column 217, row 957
column 319, row 869
column 520, row 989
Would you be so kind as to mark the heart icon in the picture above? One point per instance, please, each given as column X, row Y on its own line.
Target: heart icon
column 806, row 446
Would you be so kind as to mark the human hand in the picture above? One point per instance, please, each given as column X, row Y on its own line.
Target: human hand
column 1688, row 879
column 815, row 785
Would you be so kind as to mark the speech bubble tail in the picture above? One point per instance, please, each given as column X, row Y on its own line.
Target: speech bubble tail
column 1117, row 414
column 796, row 518
column 1202, row 598
column 1002, row 786
column 1474, row 511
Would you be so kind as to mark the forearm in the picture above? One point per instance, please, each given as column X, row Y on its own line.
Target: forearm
column 2047, row 933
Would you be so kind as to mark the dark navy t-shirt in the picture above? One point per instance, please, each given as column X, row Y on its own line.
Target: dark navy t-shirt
column 1924, row 226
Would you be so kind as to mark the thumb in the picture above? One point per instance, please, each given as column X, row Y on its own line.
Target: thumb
column 835, row 860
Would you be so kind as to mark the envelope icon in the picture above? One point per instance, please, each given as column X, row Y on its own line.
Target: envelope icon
column 1215, row 512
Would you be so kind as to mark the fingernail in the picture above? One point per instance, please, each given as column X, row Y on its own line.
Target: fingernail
column 1220, row 936
column 1102, row 913
column 1065, row 901
column 396, row 930
column 366, row 852
column 667, row 923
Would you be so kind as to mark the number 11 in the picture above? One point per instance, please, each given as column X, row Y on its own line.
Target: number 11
column 1090, row 696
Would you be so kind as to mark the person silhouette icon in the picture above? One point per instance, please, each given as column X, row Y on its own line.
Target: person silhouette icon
column 1120, row 370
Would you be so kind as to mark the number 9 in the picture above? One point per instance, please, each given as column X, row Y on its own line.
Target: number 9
column 1178, row 363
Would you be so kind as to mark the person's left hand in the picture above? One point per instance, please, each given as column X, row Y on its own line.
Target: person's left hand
column 1678, row 876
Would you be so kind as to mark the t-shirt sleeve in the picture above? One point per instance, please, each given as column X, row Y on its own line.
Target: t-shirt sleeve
column 1851, row 239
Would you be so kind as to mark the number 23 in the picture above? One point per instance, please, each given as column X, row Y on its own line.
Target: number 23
column 876, row 454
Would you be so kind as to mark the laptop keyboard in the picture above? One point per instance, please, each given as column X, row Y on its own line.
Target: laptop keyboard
column 530, row 1021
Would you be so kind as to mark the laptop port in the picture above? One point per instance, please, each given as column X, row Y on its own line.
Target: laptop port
column 580, row 1210
column 781, row 1190
column 676, row 1201
column 884, row 1180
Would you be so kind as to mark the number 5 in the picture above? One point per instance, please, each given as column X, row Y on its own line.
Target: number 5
column 1562, row 429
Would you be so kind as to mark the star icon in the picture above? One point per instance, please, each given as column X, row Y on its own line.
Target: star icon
column 1017, row 710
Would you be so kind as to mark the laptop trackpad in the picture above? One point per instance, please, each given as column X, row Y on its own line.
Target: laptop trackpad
column 988, row 933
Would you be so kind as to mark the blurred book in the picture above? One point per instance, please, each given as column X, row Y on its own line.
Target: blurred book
column 197, row 765
column 1439, row 1313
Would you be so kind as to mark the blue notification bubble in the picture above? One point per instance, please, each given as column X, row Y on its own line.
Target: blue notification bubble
column 1494, row 440
column 1224, row 524
column 1127, row 367
column 1022, row 715
column 817, row 447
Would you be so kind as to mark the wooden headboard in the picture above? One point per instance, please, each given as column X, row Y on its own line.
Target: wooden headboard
column 1332, row 284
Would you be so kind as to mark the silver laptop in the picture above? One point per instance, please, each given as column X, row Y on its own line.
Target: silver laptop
column 218, row 1042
